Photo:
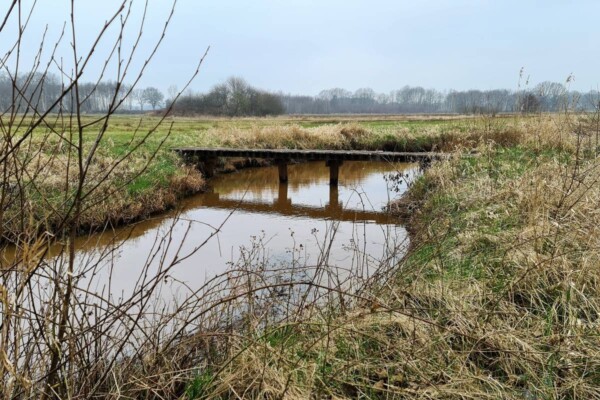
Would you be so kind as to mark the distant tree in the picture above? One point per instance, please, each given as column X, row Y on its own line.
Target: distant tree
column 264, row 103
column 123, row 94
column 551, row 95
column 365, row 94
column 364, row 100
column 153, row 96
column 138, row 96
column 335, row 93
column 216, row 100
column 238, row 101
column 235, row 97
column 172, row 92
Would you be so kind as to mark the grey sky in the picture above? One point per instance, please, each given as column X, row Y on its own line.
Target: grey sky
column 303, row 46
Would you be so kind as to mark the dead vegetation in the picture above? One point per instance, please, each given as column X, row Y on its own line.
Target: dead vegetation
column 357, row 136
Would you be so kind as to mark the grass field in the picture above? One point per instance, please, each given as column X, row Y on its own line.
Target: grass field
column 498, row 297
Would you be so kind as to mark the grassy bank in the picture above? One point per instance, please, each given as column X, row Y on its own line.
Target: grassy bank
column 498, row 298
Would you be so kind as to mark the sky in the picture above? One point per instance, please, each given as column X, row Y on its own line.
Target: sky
column 304, row 46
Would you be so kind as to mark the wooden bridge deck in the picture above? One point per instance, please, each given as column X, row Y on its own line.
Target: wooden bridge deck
column 309, row 155
column 207, row 158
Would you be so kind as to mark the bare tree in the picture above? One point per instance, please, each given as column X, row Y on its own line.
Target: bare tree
column 138, row 96
column 153, row 96
column 172, row 92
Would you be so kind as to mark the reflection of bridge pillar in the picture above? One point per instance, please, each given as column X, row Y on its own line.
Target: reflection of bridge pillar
column 334, row 195
column 283, row 192
column 283, row 175
column 282, row 201
column 334, row 171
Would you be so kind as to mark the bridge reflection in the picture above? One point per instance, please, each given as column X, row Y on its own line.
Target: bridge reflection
column 264, row 195
column 283, row 205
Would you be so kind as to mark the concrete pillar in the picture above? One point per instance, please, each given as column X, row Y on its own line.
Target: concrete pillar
column 208, row 167
column 283, row 175
column 334, row 171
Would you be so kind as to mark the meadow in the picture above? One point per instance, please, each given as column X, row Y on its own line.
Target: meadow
column 498, row 296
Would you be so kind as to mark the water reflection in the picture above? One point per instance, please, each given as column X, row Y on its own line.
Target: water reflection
column 248, row 217
column 263, row 183
column 282, row 205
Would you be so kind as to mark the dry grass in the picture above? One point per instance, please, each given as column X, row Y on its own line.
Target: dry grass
column 498, row 298
column 131, row 191
column 357, row 136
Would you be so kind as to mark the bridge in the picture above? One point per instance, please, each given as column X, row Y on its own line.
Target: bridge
column 207, row 158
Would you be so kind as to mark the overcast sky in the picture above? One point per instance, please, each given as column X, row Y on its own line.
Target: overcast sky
column 303, row 46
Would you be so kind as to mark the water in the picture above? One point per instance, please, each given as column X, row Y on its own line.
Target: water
column 249, row 220
column 249, row 253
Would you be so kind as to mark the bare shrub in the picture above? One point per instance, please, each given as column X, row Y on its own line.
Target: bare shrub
column 63, row 334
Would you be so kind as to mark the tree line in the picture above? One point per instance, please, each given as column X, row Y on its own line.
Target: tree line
column 235, row 97
column 41, row 90
column 544, row 97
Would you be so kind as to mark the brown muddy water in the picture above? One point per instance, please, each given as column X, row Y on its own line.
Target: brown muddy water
column 248, row 219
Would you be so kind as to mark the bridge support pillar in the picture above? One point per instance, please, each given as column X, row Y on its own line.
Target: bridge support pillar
column 283, row 173
column 208, row 167
column 334, row 171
